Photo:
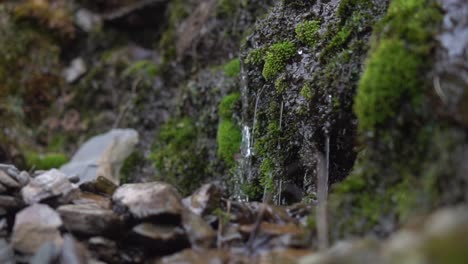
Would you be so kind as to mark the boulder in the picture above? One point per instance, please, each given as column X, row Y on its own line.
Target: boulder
column 34, row 226
column 102, row 155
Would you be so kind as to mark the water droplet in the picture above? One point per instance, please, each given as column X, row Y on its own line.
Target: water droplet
column 300, row 52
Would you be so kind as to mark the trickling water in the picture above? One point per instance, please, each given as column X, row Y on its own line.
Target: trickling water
column 322, row 195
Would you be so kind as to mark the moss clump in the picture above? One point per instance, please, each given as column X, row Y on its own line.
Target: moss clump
column 307, row 91
column 229, row 138
column 129, row 166
column 142, row 68
column 45, row 161
column 380, row 91
column 406, row 179
column 281, row 85
column 395, row 69
column 255, row 57
column 307, row 32
column 229, row 134
column 177, row 155
column 227, row 105
column 266, row 174
column 276, row 57
column 232, row 68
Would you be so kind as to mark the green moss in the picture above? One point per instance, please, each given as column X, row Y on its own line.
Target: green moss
column 276, row 58
column 232, row 68
column 307, row 91
column 255, row 57
column 395, row 68
column 266, row 174
column 307, row 32
column 143, row 68
column 252, row 190
column 229, row 138
column 281, row 85
column 339, row 39
column 129, row 166
column 178, row 157
column 227, row 105
column 45, row 161
column 228, row 7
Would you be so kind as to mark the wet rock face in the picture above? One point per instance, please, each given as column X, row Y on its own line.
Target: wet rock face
column 293, row 103
column 102, row 155
column 148, row 200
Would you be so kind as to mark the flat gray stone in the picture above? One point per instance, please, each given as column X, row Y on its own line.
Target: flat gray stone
column 148, row 200
column 102, row 155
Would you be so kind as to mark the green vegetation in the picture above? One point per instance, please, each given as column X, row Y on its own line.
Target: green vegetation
column 266, row 174
column 307, row 91
column 276, row 57
column 45, row 161
column 307, row 32
column 390, row 77
column 143, row 68
column 255, row 57
column 394, row 70
column 227, row 105
column 177, row 156
column 408, row 179
column 130, row 164
column 232, row 68
column 281, row 85
column 229, row 134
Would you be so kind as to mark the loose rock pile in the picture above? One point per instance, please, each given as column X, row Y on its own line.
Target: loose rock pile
column 46, row 217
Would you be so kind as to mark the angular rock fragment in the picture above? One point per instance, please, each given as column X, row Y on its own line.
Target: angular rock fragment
column 7, row 181
column 102, row 155
column 10, row 203
column 34, row 226
column 89, row 219
column 206, row 198
column 51, row 184
column 100, row 185
column 144, row 200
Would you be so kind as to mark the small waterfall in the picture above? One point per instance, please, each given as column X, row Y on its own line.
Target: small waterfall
column 322, row 195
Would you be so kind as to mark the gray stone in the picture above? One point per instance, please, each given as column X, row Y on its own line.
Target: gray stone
column 34, row 226
column 148, row 200
column 87, row 20
column 206, row 198
column 7, row 181
column 51, row 184
column 102, row 155
column 6, row 253
column 76, row 69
